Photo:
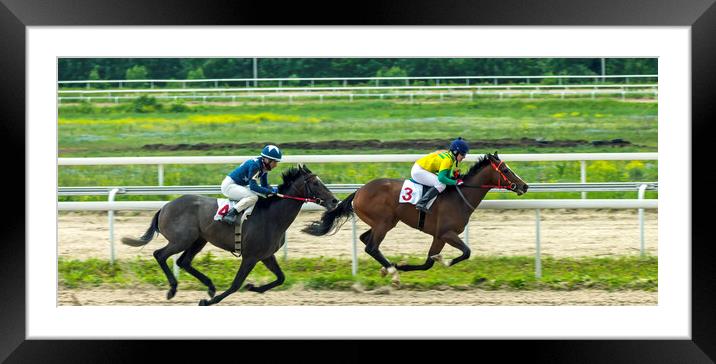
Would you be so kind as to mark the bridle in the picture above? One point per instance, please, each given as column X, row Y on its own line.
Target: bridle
column 307, row 189
column 508, row 185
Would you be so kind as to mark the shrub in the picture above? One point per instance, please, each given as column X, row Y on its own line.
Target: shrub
column 136, row 72
column 178, row 107
column 145, row 104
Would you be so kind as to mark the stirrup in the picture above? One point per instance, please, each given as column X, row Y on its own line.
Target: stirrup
column 231, row 216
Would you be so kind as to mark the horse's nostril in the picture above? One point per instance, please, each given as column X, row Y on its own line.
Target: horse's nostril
column 526, row 187
column 335, row 201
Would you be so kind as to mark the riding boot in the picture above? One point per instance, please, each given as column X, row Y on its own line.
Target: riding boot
column 427, row 196
column 231, row 216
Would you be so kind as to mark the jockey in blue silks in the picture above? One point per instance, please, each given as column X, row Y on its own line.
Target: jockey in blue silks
column 249, row 181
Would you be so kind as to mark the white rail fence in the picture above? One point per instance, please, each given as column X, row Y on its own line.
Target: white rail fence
column 410, row 93
column 640, row 204
column 409, row 96
column 346, row 80
column 160, row 162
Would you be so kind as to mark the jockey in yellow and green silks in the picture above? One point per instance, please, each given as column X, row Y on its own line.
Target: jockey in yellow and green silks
column 436, row 170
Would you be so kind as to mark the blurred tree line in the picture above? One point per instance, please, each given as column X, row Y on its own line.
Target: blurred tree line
column 200, row 68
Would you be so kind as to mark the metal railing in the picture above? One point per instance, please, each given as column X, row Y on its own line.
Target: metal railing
column 346, row 80
column 343, row 188
column 640, row 203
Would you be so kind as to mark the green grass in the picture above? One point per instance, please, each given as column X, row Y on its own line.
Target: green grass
column 90, row 131
column 488, row 273
column 106, row 131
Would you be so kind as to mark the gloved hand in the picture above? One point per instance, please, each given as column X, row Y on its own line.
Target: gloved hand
column 459, row 182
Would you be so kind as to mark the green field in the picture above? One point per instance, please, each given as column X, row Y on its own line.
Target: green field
column 489, row 273
column 92, row 131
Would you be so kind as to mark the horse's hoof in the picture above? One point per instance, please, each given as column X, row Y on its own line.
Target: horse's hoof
column 203, row 303
column 383, row 272
column 171, row 293
column 395, row 284
column 212, row 292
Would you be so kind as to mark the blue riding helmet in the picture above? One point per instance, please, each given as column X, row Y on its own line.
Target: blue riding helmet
column 271, row 152
column 458, row 146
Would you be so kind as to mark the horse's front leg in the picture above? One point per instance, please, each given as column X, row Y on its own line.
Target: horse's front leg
column 272, row 265
column 244, row 269
column 435, row 249
column 453, row 240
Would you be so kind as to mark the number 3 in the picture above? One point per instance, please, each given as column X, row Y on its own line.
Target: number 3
column 408, row 195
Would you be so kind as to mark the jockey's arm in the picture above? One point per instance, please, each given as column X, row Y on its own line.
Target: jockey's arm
column 444, row 173
column 444, row 177
column 264, row 181
column 255, row 186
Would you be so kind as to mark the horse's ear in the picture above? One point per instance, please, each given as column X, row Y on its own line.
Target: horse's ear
column 496, row 155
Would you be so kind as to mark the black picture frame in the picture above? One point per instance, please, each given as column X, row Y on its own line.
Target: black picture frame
column 16, row 15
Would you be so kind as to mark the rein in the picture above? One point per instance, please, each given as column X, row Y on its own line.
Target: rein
column 303, row 199
column 464, row 199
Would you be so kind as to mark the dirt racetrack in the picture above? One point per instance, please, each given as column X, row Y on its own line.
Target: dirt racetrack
column 564, row 233
column 384, row 296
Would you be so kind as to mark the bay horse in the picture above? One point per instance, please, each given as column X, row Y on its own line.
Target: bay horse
column 376, row 203
column 188, row 224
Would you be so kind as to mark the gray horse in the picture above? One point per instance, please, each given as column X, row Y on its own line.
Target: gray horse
column 188, row 224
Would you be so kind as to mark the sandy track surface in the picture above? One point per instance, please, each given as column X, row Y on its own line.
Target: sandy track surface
column 564, row 233
column 379, row 297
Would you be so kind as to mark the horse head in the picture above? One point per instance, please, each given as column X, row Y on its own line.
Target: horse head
column 308, row 185
column 498, row 175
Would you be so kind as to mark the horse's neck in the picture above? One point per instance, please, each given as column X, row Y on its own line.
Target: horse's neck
column 475, row 195
column 284, row 212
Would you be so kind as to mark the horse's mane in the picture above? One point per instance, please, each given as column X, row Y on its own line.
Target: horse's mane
column 483, row 161
column 289, row 177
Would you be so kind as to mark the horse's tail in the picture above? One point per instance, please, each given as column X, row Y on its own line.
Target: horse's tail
column 331, row 220
column 148, row 236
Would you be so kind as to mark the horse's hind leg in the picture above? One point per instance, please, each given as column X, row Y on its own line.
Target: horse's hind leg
column 365, row 237
column 272, row 265
column 161, row 255
column 185, row 263
column 372, row 248
column 247, row 264
column 435, row 248
column 376, row 237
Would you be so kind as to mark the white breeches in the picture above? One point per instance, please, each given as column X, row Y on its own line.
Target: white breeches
column 244, row 195
column 422, row 176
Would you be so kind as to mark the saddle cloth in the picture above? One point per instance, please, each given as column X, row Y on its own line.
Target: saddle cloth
column 412, row 191
column 224, row 205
